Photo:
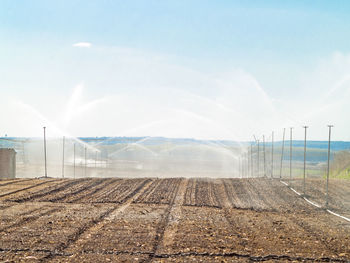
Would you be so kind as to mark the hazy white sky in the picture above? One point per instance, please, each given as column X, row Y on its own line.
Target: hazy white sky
column 200, row 69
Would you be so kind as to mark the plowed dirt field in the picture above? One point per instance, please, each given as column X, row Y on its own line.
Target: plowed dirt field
column 165, row 220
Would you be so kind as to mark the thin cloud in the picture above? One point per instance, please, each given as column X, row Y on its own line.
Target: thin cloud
column 82, row 44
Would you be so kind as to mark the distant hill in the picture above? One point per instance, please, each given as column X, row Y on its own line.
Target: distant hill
column 335, row 145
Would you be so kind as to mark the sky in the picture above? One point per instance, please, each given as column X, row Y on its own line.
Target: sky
column 185, row 68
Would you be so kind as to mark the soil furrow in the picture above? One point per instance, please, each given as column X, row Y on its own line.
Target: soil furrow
column 28, row 219
column 14, row 182
column 23, row 189
column 163, row 224
column 94, row 224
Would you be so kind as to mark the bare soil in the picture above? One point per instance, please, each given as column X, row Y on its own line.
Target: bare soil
column 315, row 190
column 166, row 220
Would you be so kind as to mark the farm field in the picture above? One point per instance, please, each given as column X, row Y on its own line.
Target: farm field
column 166, row 220
column 339, row 193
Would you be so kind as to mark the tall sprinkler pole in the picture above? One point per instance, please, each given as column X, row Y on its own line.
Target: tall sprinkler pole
column 272, row 156
column 74, row 161
column 85, row 162
column 304, row 179
column 264, row 156
column 329, row 155
column 239, row 166
column 284, row 132
column 45, row 152
column 242, row 165
column 251, row 160
column 290, row 154
column 248, row 164
column 63, row 142
column 258, row 159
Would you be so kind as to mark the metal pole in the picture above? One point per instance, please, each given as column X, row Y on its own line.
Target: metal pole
column 264, row 156
column 251, row 160
column 304, row 180
column 45, row 152
column 245, row 164
column 74, row 161
column 63, row 142
column 329, row 155
column 85, row 163
column 290, row 153
column 272, row 156
column 258, row 159
column 284, row 132
column 239, row 167
column 248, row 162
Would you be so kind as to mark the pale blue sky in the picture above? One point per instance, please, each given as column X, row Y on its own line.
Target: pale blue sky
column 263, row 64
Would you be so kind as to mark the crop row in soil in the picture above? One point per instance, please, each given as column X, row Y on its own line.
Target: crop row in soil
column 262, row 194
column 161, row 191
column 83, row 191
column 166, row 220
column 315, row 189
column 202, row 192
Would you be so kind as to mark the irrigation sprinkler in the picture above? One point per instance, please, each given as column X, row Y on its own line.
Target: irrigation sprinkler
column 251, row 160
column 264, row 156
column 329, row 154
column 258, row 158
column 239, row 166
column 290, row 153
column 284, row 132
column 272, row 156
column 63, row 142
column 85, row 162
column 242, row 165
column 74, row 161
column 248, row 163
column 45, row 152
column 304, row 179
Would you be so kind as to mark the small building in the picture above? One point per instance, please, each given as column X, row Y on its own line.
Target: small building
column 7, row 163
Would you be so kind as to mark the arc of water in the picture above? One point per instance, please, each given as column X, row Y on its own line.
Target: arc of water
column 52, row 125
column 137, row 145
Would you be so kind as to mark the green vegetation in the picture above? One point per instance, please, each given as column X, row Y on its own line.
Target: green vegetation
column 340, row 166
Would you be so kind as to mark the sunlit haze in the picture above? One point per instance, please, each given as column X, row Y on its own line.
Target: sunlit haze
column 180, row 69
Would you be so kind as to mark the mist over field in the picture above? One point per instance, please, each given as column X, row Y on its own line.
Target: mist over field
column 167, row 131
